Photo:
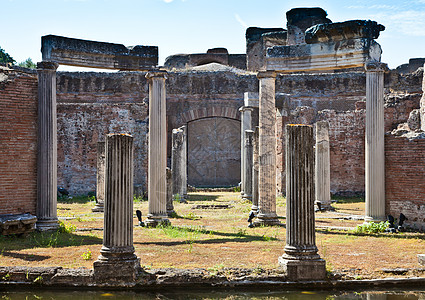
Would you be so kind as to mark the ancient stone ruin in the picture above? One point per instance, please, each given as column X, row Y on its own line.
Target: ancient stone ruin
column 217, row 119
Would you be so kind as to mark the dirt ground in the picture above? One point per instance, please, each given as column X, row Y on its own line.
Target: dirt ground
column 219, row 238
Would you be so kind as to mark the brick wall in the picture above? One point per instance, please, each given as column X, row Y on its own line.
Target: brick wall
column 18, row 141
column 405, row 179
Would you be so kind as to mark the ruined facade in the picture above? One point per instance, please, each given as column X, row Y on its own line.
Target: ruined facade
column 90, row 105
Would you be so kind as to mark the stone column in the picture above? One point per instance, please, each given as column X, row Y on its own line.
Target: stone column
column 47, row 148
column 422, row 104
column 170, row 206
column 179, row 163
column 157, row 186
column 267, row 151
column 249, row 134
column 254, row 207
column 375, row 154
column 100, row 178
column 246, row 122
column 301, row 260
column 117, row 260
column 322, row 169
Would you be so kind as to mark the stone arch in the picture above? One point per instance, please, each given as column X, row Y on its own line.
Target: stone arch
column 210, row 112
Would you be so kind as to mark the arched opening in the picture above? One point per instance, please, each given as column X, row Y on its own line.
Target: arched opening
column 213, row 152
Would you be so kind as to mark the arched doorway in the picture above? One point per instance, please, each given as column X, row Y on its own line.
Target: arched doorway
column 213, row 152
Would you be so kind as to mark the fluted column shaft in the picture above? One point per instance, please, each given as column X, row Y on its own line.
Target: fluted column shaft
column 375, row 153
column 249, row 135
column 422, row 104
column 267, row 150
column 170, row 205
column 300, row 260
column 117, row 259
column 246, row 121
column 100, row 178
column 179, row 163
column 255, row 164
column 47, row 147
column 118, row 221
column 322, row 166
column 157, row 187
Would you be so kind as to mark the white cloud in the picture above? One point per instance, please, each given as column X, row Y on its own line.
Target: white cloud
column 409, row 22
column 168, row 1
column 239, row 19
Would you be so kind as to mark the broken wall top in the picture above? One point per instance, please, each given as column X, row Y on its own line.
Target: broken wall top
column 85, row 53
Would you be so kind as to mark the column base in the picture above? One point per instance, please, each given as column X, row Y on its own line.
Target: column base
column 368, row 219
column 154, row 221
column 247, row 197
column 323, row 206
column 47, row 224
column 303, row 269
column 254, row 209
column 269, row 219
column 116, row 270
column 171, row 213
column 99, row 207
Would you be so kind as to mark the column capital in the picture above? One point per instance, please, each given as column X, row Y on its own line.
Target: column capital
column 266, row 74
column 47, row 66
column 156, row 73
column 375, row 66
column 246, row 108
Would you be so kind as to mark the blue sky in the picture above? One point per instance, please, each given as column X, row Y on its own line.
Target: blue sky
column 193, row 26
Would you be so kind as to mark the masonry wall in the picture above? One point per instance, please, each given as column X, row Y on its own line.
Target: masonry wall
column 405, row 179
column 18, row 141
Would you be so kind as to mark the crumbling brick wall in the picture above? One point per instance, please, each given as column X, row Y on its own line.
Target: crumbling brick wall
column 18, row 141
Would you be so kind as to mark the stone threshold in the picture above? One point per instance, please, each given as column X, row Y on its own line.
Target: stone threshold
column 160, row 279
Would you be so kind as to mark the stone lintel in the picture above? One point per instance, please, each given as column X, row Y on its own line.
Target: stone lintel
column 86, row 53
column 332, row 55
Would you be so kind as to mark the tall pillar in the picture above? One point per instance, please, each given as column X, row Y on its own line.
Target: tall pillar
column 170, row 206
column 422, row 104
column 300, row 260
column 322, row 169
column 117, row 260
column 375, row 153
column 47, row 148
column 267, row 151
column 246, row 121
column 157, row 187
column 249, row 135
column 100, row 178
column 254, row 207
column 179, row 163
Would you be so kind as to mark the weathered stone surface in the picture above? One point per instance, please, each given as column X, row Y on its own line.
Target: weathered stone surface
column 170, row 206
column 421, row 259
column 17, row 224
column 85, row 53
column 100, row 178
column 179, row 163
column 414, row 120
column 300, row 260
column 322, row 166
column 323, row 56
column 340, row 31
column 47, row 148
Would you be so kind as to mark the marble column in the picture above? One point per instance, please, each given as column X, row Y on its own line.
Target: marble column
column 179, row 163
column 322, row 166
column 100, row 178
column 157, row 186
column 254, row 207
column 267, row 151
column 117, row 260
column 300, row 260
column 375, row 153
column 170, row 206
column 246, row 121
column 249, row 134
column 46, row 208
